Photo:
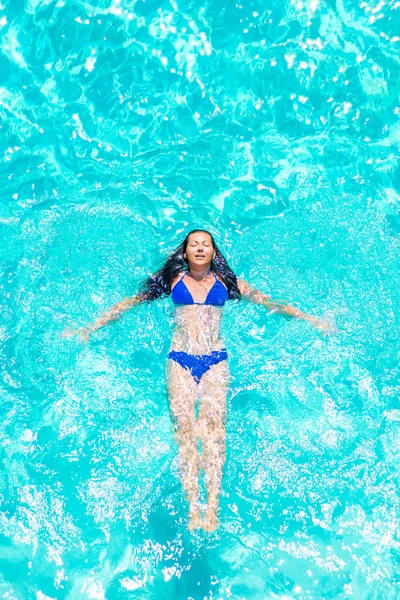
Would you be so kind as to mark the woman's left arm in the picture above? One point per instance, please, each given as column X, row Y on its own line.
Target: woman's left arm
column 253, row 295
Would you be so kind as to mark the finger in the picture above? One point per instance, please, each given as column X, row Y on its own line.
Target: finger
column 67, row 333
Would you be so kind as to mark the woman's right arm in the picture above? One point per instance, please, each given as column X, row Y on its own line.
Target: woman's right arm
column 114, row 314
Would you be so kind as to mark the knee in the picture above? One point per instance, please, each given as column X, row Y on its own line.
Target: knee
column 211, row 427
column 184, row 431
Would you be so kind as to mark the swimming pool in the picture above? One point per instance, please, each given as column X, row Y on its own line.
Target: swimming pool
column 124, row 125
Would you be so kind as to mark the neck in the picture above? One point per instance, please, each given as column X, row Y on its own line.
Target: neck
column 198, row 273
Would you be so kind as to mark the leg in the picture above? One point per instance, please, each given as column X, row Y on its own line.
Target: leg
column 182, row 392
column 213, row 389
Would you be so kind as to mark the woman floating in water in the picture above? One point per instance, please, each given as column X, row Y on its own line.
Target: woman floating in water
column 199, row 281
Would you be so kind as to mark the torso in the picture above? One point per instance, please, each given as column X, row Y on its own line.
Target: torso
column 197, row 326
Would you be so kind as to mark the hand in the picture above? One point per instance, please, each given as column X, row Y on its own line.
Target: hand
column 325, row 327
column 82, row 332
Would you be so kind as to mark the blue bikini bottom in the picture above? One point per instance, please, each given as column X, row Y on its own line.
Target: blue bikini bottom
column 198, row 364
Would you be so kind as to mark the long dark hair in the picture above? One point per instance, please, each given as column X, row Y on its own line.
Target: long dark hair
column 158, row 285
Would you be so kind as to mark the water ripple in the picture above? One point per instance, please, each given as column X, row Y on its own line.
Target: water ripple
column 125, row 124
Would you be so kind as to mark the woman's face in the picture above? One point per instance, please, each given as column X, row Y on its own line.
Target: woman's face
column 199, row 251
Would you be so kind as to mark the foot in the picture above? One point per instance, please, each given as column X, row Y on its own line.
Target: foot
column 211, row 521
column 195, row 521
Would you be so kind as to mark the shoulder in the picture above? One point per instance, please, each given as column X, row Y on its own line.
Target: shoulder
column 220, row 279
column 177, row 277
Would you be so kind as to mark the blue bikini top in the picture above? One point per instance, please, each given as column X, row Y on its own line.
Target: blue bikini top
column 217, row 294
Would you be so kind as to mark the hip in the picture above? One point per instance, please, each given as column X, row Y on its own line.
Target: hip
column 198, row 364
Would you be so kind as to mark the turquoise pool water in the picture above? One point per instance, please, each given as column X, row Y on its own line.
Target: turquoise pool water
column 276, row 126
